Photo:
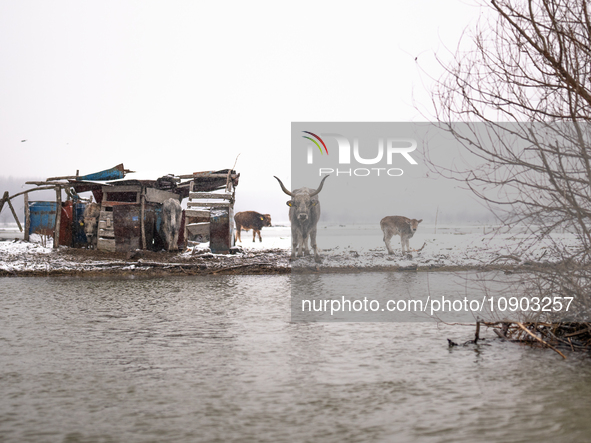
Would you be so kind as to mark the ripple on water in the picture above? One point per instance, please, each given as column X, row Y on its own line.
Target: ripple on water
column 217, row 359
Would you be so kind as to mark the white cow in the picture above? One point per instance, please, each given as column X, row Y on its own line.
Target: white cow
column 171, row 223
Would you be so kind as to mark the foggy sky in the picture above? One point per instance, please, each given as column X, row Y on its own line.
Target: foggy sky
column 184, row 86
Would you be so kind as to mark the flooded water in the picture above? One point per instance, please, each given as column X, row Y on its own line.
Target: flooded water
column 217, row 359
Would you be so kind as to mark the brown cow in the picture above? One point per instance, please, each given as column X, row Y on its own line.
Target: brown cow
column 248, row 220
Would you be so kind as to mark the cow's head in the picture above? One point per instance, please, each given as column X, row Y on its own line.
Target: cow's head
column 266, row 219
column 414, row 224
column 90, row 227
column 302, row 202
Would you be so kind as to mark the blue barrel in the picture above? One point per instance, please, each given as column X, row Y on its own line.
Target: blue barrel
column 42, row 217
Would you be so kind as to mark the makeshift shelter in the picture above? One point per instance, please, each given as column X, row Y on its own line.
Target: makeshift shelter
column 131, row 209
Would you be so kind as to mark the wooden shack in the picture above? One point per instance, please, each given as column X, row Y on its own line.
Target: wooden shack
column 130, row 209
column 129, row 217
column 210, row 214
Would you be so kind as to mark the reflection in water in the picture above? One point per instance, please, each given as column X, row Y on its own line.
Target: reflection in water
column 217, row 359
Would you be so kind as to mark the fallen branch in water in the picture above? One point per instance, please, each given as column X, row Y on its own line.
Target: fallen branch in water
column 540, row 340
column 140, row 264
column 512, row 257
column 231, row 268
column 573, row 336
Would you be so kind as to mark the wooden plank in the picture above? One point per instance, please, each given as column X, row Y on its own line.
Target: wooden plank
column 123, row 188
column 31, row 190
column 108, row 245
column 210, row 195
column 4, row 200
column 106, row 223
column 106, row 233
column 208, row 205
column 14, row 215
column 205, row 174
column 102, row 224
column 198, row 228
column 110, row 193
column 196, row 213
column 143, row 221
column 58, row 218
column 154, row 195
column 48, row 183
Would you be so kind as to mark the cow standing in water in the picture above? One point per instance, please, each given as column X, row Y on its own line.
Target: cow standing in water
column 91, row 216
column 171, row 223
column 304, row 213
column 248, row 220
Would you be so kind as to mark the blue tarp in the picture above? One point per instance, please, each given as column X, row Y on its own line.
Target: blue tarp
column 114, row 173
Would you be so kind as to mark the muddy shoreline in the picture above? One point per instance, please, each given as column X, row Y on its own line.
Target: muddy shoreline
column 90, row 263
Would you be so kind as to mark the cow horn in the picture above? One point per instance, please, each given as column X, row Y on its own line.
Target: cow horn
column 317, row 191
column 284, row 188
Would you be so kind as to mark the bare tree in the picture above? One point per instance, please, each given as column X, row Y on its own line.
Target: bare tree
column 520, row 103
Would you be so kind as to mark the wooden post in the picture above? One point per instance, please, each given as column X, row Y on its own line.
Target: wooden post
column 191, row 189
column 4, row 200
column 142, row 217
column 436, row 214
column 27, row 217
column 58, row 217
column 14, row 215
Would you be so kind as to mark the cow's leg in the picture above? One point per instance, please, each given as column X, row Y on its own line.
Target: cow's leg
column 254, row 235
column 260, row 239
column 387, row 237
column 317, row 258
column 403, row 242
column 302, row 244
column 295, row 236
column 305, row 246
column 238, row 229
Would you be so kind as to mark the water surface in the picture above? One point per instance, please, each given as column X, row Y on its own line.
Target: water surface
column 217, row 359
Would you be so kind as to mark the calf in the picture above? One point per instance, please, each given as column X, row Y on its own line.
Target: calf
column 397, row 225
column 91, row 216
column 248, row 220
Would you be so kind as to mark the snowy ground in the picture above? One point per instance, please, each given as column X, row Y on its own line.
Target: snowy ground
column 363, row 246
column 353, row 246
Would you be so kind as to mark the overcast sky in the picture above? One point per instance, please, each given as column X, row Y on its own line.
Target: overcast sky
column 178, row 87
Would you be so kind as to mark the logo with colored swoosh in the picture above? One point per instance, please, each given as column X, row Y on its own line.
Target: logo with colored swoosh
column 316, row 142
